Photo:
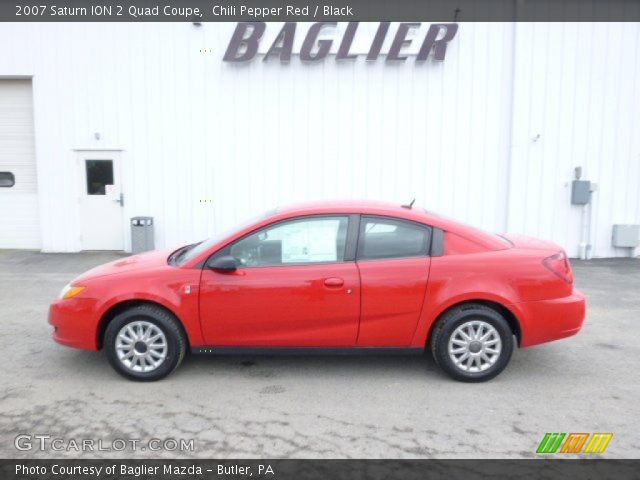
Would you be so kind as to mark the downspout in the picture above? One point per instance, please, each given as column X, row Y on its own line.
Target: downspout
column 511, row 120
column 590, row 231
column 584, row 233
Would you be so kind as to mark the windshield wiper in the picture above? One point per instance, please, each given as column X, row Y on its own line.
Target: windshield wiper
column 178, row 254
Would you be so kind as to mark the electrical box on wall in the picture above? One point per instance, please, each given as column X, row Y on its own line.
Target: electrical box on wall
column 626, row 236
column 580, row 192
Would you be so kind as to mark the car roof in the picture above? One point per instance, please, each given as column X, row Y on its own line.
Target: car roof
column 342, row 206
column 415, row 213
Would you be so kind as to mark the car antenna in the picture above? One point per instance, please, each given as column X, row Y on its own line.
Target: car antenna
column 410, row 204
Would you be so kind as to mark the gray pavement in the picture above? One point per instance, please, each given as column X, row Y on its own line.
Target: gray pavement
column 318, row 407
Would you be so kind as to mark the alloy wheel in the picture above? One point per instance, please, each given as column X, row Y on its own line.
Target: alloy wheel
column 475, row 346
column 141, row 346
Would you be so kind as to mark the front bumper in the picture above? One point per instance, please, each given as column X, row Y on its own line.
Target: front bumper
column 547, row 320
column 75, row 323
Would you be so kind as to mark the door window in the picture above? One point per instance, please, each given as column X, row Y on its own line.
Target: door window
column 382, row 237
column 302, row 241
column 99, row 175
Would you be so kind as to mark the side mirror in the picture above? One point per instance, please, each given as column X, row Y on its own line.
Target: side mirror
column 226, row 263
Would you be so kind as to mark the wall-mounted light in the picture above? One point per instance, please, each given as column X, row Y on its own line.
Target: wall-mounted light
column 577, row 173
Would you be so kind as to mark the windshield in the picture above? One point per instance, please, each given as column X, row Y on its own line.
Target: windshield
column 188, row 252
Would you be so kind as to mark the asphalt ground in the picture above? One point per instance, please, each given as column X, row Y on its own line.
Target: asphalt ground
column 314, row 407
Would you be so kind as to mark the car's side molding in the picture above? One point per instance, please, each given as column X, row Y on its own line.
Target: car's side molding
column 252, row 350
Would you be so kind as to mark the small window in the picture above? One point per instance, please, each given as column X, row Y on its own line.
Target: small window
column 302, row 241
column 99, row 175
column 7, row 180
column 388, row 238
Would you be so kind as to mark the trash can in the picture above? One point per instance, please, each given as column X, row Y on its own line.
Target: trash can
column 141, row 234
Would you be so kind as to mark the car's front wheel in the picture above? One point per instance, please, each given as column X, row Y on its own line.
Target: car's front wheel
column 144, row 343
column 472, row 343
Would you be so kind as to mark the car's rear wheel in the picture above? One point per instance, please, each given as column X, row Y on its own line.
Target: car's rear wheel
column 145, row 343
column 472, row 343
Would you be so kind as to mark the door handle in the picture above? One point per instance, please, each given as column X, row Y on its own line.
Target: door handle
column 333, row 282
column 120, row 199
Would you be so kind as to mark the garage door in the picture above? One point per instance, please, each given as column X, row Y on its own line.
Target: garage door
column 19, row 220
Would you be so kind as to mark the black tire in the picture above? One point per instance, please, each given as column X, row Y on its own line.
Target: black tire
column 176, row 343
column 454, row 318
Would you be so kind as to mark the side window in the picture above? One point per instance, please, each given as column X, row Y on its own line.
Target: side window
column 7, row 179
column 99, row 175
column 382, row 237
column 306, row 240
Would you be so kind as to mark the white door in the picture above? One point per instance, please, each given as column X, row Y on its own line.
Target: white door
column 101, row 201
column 19, row 217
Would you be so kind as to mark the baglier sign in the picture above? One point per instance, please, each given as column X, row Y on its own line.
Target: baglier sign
column 246, row 37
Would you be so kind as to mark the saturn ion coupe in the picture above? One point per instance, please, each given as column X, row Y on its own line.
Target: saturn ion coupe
column 349, row 277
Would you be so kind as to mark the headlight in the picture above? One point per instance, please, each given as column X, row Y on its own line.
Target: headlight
column 70, row 291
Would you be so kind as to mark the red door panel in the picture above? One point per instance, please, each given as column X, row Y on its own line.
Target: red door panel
column 392, row 294
column 301, row 305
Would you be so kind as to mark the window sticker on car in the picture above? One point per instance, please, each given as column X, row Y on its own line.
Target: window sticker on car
column 310, row 242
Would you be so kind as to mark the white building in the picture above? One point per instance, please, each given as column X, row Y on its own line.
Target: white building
column 490, row 135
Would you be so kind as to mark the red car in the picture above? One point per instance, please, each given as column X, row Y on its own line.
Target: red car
column 327, row 278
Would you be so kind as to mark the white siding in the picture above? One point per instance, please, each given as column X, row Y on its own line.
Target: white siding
column 19, row 221
column 205, row 143
column 576, row 85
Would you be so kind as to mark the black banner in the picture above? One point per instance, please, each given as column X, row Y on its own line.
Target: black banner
column 539, row 469
column 318, row 10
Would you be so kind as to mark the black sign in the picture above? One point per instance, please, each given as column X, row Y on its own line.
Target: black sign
column 319, row 10
column 167, row 469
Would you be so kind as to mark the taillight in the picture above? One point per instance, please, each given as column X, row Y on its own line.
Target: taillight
column 559, row 266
